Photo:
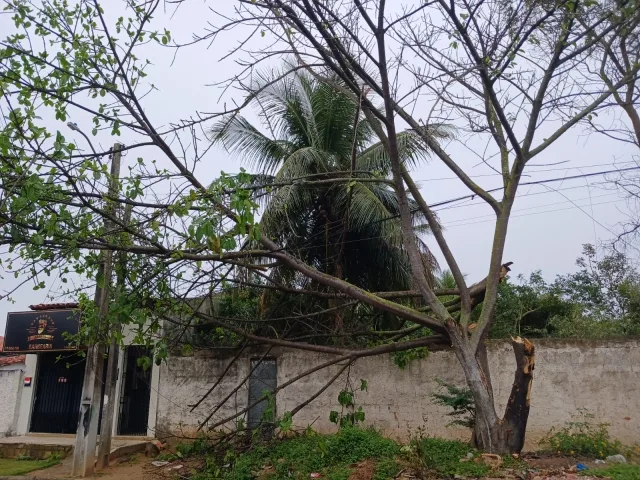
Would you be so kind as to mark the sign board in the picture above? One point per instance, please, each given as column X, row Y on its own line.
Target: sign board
column 40, row 331
column 27, row 381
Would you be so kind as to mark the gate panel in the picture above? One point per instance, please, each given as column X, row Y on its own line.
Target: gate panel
column 58, row 391
column 136, row 394
column 264, row 378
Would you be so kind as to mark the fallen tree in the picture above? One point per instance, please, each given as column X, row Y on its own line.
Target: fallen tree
column 185, row 236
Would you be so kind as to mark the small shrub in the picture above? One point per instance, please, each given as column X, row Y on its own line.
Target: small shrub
column 443, row 457
column 350, row 445
column 197, row 447
column 347, row 401
column 460, row 400
column 582, row 437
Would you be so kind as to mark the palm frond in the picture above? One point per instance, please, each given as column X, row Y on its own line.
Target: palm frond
column 304, row 162
column 241, row 139
column 367, row 213
column 446, row 280
column 286, row 210
column 411, row 148
column 286, row 107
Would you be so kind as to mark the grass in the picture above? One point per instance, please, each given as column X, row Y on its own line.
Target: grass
column 363, row 453
column 13, row 466
column 333, row 456
column 443, row 458
column 617, row 472
column 338, row 456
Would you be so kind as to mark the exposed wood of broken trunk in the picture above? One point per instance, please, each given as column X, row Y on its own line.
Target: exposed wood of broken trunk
column 506, row 435
column 514, row 423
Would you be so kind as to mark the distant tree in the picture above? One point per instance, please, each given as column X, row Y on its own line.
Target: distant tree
column 527, row 307
column 601, row 299
column 604, row 287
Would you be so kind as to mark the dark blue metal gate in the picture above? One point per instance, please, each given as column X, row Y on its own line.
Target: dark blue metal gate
column 56, row 407
column 136, row 394
column 58, row 391
column 264, row 378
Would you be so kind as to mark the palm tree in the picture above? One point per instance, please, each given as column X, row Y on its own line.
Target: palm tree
column 345, row 223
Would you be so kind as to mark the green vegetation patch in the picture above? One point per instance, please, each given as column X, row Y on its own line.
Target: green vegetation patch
column 14, row 466
column 582, row 437
column 443, row 457
column 332, row 456
column 617, row 472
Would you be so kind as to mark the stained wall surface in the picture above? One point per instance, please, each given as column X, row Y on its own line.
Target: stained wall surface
column 602, row 377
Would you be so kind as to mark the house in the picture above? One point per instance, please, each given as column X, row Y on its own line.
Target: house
column 48, row 393
column 11, row 361
column 12, row 367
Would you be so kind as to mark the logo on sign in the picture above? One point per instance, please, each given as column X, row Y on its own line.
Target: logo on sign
column 40, row 333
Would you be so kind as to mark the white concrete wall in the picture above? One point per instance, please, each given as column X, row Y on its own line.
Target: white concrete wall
column 184, row 380
column 27, row 395
column 10, row 391
column 601, row 376
column 13, row 366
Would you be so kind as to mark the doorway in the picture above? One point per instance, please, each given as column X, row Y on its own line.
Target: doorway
column 56, row 406
column 58, row 391
column 136, row 394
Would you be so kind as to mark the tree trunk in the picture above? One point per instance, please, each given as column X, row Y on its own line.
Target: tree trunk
column 491, row 433
column 507, row 435
column 483, row 361
column 516, row 414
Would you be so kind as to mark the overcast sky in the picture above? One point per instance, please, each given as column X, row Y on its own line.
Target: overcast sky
column 549, row 223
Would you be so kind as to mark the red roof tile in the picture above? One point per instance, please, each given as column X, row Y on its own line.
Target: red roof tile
column 54, row 306
column 9, row 358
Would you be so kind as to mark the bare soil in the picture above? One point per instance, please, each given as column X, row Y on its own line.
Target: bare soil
column 132, row 468
column 363, row 470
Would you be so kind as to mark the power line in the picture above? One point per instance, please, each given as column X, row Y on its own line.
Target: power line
column 471, row 197
column 530, row 171
column 532, row 194
column 534, row 207
column 537, row 182
column 544, row 211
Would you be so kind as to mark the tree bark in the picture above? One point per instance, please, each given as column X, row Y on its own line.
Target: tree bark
column 483, row 361
column 491, row 433
column 514, row 424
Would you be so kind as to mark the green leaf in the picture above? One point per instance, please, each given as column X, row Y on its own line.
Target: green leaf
column 334, row 417
column 100, row 279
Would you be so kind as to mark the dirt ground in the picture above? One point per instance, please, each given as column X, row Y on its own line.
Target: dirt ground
column 138, row 467
column 130, row 468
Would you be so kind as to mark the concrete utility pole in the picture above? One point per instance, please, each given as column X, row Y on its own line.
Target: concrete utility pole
column 84, row 454
column 111, row 378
